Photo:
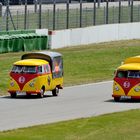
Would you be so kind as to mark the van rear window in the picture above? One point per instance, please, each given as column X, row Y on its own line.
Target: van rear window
column 23, row 69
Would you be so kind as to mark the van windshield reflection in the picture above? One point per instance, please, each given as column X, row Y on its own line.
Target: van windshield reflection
column 128, row 74
column 23, row 69
column 133, row 74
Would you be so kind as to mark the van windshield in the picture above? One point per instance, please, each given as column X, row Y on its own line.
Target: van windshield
column 128, row 74
column 133, row 74
column 23, row 69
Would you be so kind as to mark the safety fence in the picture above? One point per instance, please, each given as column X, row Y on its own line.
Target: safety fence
column 22, row 41
column 68, row 15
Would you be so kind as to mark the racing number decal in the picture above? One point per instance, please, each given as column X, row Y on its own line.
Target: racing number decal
column 126, row 84
column 21, row 79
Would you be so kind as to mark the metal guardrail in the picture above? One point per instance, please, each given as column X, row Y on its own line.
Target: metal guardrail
column 67, row 15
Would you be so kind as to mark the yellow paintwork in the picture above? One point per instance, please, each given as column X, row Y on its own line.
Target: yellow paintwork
column 117, row 92
column 132, row 63
column 132, row 92
column 120, row 92
column 135, row 59
column 130, row 66
column 38, row 82
column 31, row 62
column 14, row 85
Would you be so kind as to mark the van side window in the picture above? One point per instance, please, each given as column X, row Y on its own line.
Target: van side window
column 41, row 69
column 47, row 68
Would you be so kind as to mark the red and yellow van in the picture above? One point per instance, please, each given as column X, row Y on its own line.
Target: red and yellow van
column 127, row 80
column 36, row 73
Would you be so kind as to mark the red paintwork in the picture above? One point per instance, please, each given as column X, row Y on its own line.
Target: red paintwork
column 127, row 83
column 22, row 79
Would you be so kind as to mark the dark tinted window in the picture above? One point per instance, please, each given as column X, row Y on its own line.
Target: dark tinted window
column 122, row 74
column 133, row 74
column 24, row 69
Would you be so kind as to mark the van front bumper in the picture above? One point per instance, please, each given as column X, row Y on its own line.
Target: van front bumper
column 126, row 97
column 24, row 92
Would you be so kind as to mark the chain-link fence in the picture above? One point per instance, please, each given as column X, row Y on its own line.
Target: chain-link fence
column 68, row 15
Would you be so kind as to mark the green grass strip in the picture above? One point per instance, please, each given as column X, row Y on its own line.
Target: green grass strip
column 116, row 126
column 82, row 64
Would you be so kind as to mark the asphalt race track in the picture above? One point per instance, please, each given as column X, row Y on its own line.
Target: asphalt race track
column 73, row 102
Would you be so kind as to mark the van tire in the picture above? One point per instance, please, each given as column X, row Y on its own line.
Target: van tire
column 116, row 99
column 13, row 95
column 55, row 91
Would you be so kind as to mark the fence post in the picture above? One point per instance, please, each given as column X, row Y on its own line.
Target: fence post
column 129, row 2
column 99, row 1
column 7, row 15
column 68, row 2
column 40, row 11
column 119, row 18
column 94, row 14
column 35, row 6
column 54, row 13
column 80, row 13
column 106, row 11
column 25, row 15
column 131, row 11
column 0, row 9
column 48, row 18
column 17, row 19
column 139, row 13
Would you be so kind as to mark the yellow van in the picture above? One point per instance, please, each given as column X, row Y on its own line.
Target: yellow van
column 126, row 83
column 36, row 73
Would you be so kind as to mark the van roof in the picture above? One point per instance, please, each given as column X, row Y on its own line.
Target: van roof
column 130, row 66
column 135, row 59
column 46, row 55
column 31, row 62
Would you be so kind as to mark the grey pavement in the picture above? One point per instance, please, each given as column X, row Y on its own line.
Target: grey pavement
column 73, row 102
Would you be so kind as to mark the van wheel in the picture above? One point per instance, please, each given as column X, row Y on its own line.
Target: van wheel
column 13, row 95
column 55, row 92
column 116, row 99
column 41, row 94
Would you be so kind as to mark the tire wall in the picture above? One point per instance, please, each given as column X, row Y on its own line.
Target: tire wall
column 14, row 41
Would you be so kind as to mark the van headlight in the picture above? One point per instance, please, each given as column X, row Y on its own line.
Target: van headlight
column 32, row 83
column 137, row 89
column 12, row 83
column 116, row 88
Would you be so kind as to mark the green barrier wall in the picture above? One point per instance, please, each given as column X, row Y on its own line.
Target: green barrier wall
column 22, row 41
